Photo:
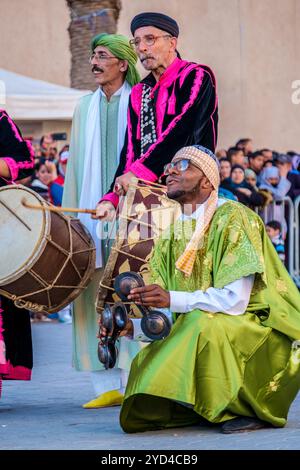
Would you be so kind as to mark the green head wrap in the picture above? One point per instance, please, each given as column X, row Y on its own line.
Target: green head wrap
column 119, row 46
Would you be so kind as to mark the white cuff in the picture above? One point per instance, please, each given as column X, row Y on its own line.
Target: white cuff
column 178, row 302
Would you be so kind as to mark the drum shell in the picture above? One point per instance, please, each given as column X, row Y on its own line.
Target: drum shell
column 144, row 215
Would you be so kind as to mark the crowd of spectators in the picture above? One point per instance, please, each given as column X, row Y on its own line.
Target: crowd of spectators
column 261, row 179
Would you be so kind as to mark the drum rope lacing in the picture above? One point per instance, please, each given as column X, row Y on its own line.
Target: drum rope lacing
column 132, row 213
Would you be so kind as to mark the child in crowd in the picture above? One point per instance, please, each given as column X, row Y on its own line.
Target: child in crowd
column 41, row 179
column 274, row 230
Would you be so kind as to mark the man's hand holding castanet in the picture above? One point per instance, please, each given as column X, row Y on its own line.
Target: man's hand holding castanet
column 150, row 296
column 128, row 330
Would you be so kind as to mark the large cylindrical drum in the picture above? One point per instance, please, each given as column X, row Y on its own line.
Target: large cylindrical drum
column 47, row 258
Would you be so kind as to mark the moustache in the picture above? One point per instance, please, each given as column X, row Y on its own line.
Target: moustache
column 170, row 179
column 96, row 69
column 146, row 57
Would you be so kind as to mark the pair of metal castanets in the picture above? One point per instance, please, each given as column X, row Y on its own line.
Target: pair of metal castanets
column 154, row 323
column 114, row 319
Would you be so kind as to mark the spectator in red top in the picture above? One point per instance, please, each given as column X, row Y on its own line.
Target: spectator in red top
column 16, row 162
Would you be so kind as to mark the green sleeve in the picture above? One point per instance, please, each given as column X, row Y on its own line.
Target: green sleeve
column 158, row 264
column 237, row 247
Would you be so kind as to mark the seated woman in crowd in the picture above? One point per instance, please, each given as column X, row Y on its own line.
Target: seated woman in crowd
column 251, row 178
column 287, row 166
column 245, row 193
column 277, row 185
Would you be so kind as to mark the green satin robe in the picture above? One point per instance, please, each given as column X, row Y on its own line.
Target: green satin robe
column 215, row 365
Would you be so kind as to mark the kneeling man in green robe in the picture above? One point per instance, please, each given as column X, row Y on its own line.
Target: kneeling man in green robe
column 233, row 355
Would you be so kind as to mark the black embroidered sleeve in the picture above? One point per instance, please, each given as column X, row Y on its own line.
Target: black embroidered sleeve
column 17, row 153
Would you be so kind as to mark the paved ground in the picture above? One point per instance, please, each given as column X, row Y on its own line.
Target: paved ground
column 46, row 413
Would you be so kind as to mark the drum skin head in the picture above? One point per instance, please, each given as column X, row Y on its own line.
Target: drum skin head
column 124, row 282
column 21, row 230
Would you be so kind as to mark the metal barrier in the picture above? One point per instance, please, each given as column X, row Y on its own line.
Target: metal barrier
column 276, row 211
column 296, row 275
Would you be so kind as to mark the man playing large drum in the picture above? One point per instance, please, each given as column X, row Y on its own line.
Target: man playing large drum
column 175, row 105
column 16, row 162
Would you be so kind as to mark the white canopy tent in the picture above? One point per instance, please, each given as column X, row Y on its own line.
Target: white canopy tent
column 25, row 98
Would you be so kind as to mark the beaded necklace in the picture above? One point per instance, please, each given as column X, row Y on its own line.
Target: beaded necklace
column 148, row 130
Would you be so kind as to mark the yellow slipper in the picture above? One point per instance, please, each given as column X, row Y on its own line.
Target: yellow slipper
column 112, row 398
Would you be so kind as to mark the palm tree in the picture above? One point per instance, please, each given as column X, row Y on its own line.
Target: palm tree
column 88, row 17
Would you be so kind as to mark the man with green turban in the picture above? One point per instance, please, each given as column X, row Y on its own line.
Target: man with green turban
column 118, row 45
column 98, row 132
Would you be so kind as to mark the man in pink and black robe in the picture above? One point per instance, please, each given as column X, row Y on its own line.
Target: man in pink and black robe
column 16, row 162
column 173, row 107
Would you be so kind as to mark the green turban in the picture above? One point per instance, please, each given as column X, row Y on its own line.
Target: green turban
column 119, row 46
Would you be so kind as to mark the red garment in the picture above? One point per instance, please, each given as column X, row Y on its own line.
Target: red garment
column 15, row 329
column 56, row 190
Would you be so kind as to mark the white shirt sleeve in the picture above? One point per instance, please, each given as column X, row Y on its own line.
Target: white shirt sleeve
column 232, row 299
